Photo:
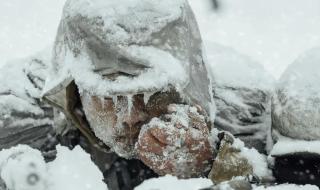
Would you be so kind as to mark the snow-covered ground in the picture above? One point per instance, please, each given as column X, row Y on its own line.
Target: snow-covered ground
column 24, row 168
column 273, row 32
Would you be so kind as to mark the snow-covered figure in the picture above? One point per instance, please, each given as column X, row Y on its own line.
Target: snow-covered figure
column 242, row 94
column 119, row 64
column 296, row 121
column 24, row 118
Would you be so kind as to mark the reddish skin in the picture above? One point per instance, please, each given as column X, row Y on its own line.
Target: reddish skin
column 196, row 150
column 126, row 132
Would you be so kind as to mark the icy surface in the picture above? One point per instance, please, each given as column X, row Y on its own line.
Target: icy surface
column 23, row 168
column 173, row 183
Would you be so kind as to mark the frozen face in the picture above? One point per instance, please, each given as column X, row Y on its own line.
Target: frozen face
column 117, row 120
column 122, row 54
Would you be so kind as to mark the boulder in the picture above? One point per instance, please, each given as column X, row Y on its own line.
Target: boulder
column 296, row 103
column 242, row 92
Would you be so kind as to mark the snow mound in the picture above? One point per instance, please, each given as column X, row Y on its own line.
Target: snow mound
column 173, row 183
column 232, row 69
column 296, row 112
column 74, row 170
column 24, row 168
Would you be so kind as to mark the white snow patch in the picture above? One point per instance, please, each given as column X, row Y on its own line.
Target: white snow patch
column 74, row 170
column 288, row 187
column 163, row 67
column 173, row 183
column 286, row 145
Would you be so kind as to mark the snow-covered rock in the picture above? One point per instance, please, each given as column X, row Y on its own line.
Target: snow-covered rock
column 24, row 117
column 296, row 104
column 24, row 168
column 242, row 93
column 234, row 159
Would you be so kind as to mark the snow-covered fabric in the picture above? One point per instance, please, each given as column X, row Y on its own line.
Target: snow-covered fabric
column 296, row 104
column 242, row 94
column 24, row 118
column 144, row 46
column 24, row 168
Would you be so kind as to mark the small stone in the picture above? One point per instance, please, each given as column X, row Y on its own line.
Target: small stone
column 229, row 163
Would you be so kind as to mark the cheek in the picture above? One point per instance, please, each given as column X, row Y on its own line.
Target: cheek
column 100, row 112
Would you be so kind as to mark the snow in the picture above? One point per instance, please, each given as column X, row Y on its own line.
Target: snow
column 256, row 160
column 286, row 145
column 233, row 69
column 74, row 170
column 173, row 183
column 24, row 168
column 162, row 66
column 288, row 187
